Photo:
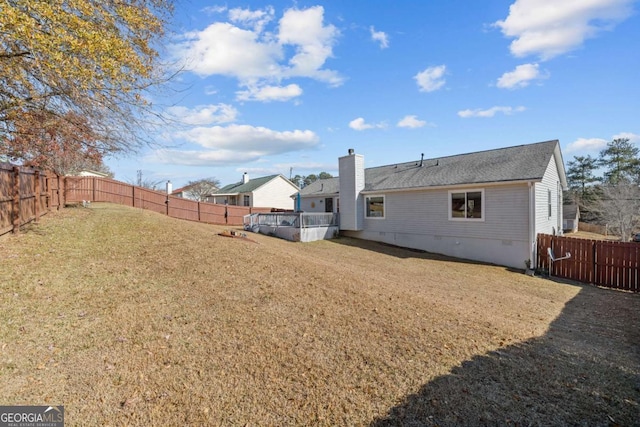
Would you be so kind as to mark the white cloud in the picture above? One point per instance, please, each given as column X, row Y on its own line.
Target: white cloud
column 201, row 158
column 250, row 138
column 379, row 36
column 313, row 41
column 269, row 93
column 586, row 144
column 597, row 144
column 490, row 112
column 233, row 144
column 411, row 122
column 203, row 114
column 520, row 77
column 431, row 78
column 549, row 28
column 212, row 10
column 632, row 137
column 360, row 124
column 256, row 19
column 243, row 49
column 225, row 49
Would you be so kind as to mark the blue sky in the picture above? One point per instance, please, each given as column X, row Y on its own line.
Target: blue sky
column 291, row 85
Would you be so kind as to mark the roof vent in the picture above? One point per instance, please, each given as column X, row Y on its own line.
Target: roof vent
column 421, row 159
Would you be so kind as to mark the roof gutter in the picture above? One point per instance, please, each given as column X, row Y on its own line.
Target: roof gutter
column 446, row 187
column 320, row 195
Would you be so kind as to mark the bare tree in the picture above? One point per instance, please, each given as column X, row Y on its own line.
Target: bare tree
column 200, row 189
column 619, row 207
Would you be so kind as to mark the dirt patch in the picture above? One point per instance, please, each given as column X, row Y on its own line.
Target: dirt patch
column 130, row 317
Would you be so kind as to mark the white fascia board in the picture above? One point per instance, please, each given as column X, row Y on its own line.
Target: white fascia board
column 442, row 187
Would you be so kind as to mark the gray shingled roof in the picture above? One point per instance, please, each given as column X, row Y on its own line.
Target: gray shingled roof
column 322, row 187
column 520, row 163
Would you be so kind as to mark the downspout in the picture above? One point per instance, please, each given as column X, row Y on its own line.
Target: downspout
column 532, row 226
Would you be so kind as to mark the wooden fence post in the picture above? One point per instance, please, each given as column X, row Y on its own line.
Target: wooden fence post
column 36, row 205
column 47, row 186
column 15, row 207
column 61, row 194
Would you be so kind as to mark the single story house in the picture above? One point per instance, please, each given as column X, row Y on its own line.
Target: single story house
column 273, row 191
column 570, row 218
column 183, row 192
column 487, row 206
column 97, row 174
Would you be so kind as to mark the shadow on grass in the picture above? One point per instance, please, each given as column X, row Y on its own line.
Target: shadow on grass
column 401, row 252
column 584, row 371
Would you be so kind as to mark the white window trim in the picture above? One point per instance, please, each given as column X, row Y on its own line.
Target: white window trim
column 467, row 190
column 384, row 206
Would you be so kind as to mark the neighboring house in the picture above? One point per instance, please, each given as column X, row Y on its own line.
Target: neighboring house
column 274, row 191
column 570, row 218
column 487, row 206
column 181, row 192
column 184, row 193
column 87, row 172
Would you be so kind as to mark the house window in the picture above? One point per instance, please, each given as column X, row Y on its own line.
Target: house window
column 549, row 201
column 247, row 200
column 374, row 206
column 466, row 205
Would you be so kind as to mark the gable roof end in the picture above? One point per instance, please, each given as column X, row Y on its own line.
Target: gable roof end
column 250, row 186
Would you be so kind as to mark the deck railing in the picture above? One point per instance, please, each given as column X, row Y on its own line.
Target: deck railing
column 290, row 219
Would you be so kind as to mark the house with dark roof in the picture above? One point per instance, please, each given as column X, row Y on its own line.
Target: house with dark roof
column 487, row 206
column 273, row 191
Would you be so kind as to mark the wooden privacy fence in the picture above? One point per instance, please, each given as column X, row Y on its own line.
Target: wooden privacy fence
column 95, row 189
column 25, row 195
column 603, row 263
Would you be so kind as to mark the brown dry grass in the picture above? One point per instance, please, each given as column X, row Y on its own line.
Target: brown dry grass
column 130, row 318
column 592, row 236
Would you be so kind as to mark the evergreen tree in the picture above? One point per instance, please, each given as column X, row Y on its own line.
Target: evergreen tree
column 621, row 160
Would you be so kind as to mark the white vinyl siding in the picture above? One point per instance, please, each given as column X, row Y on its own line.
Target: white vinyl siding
column 426, row 212
column 420, row 220
column 548, row 218
column 351, row 172
column 316, row 204
column 275, row 194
